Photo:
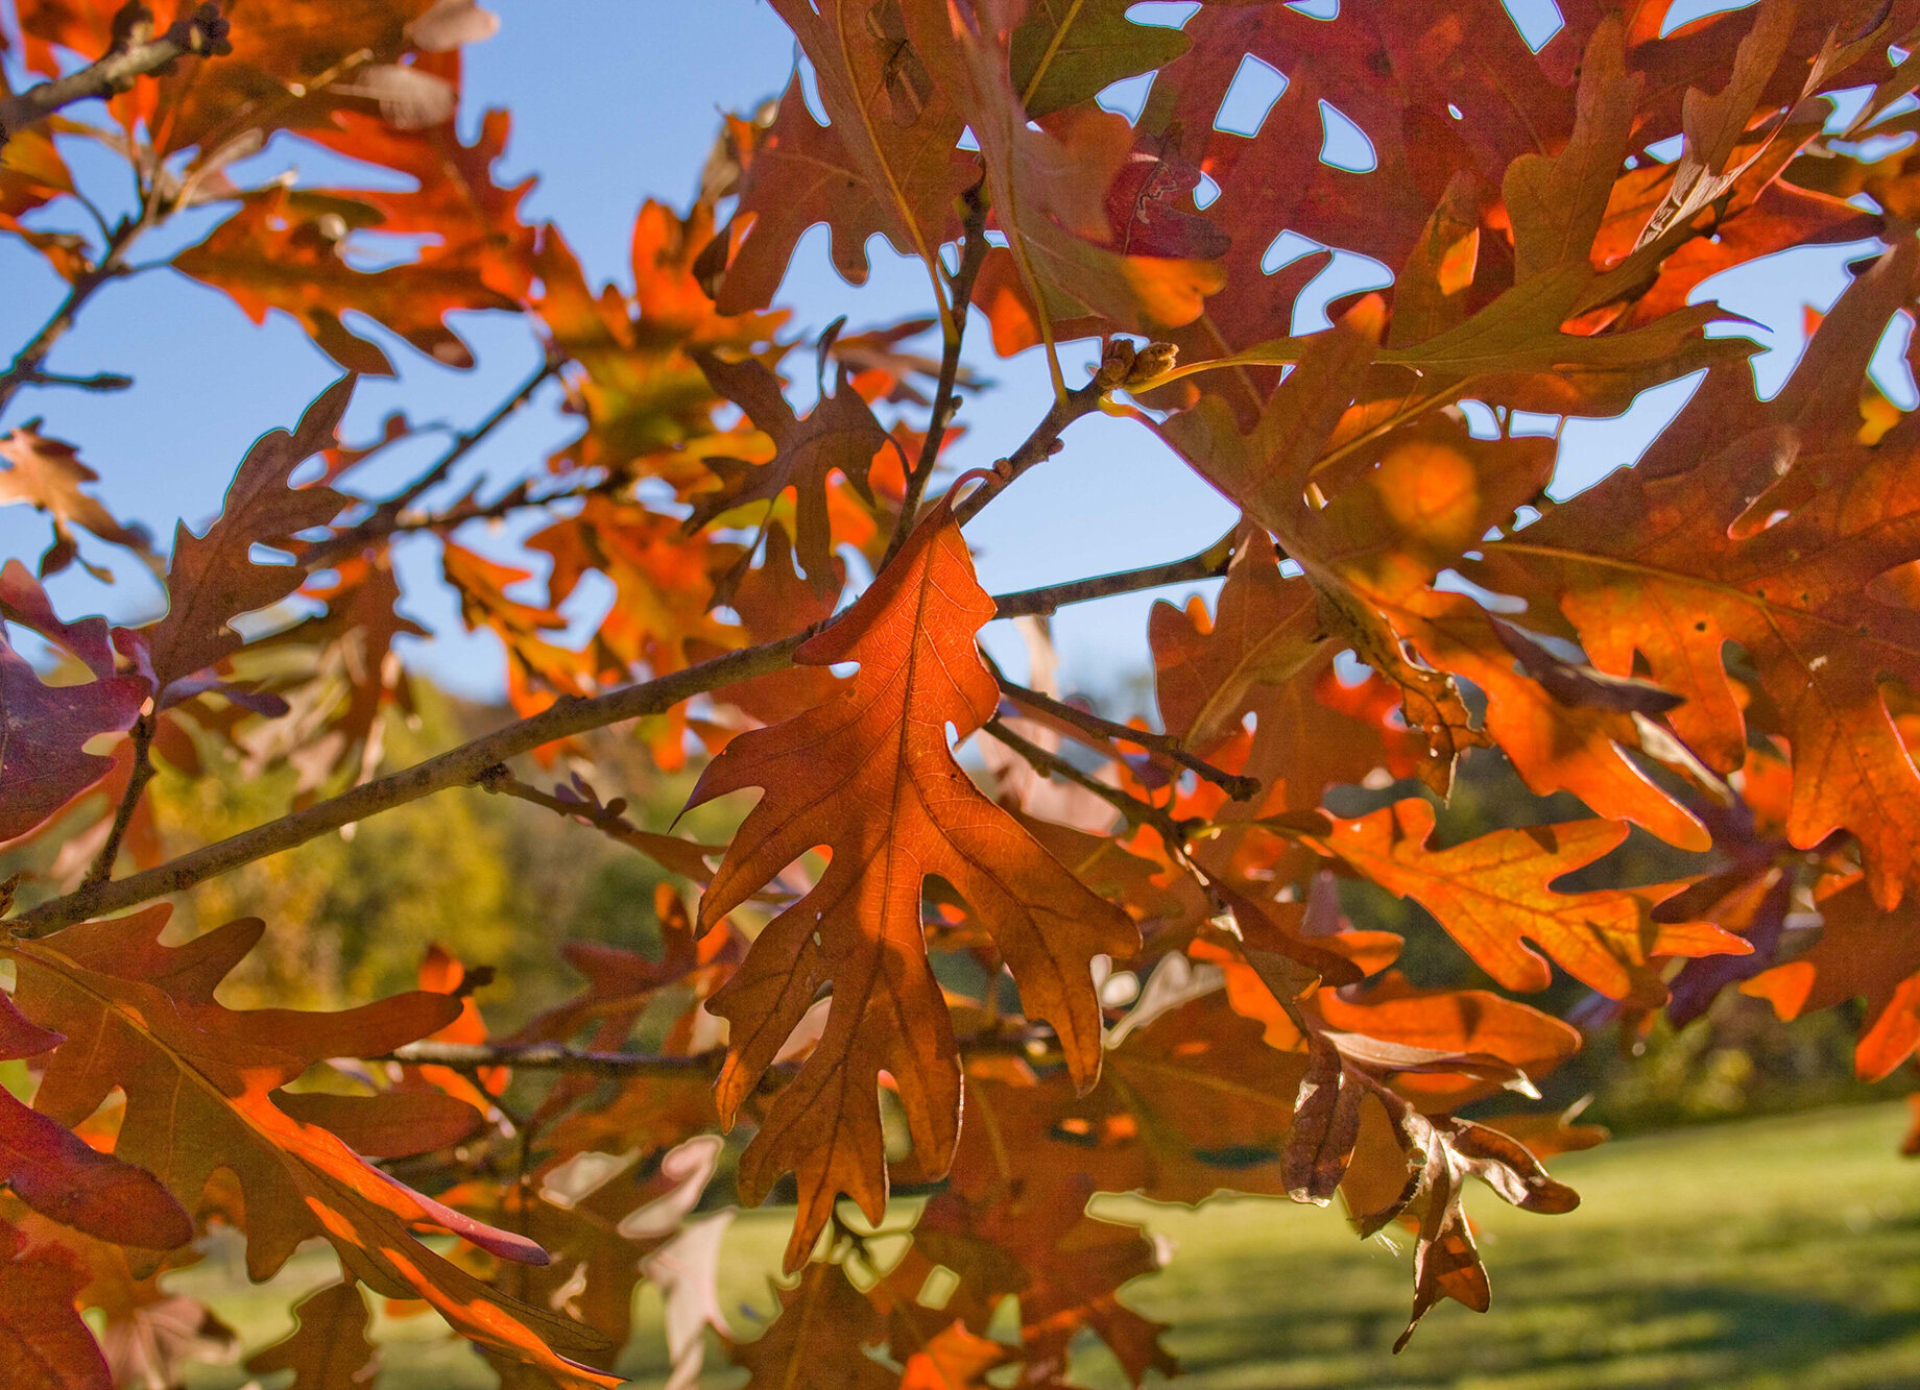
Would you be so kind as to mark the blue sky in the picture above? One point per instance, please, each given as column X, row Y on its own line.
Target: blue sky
column 614, row 101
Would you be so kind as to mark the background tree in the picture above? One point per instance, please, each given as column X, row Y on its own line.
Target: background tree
column 1097, row 956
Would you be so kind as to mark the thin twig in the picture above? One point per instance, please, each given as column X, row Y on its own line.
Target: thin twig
column 99, row 381
column 1210, row 563
column 462, row 766
column 134, row 54
column 459, row 767
column 1174, row 832
column 391, row 515
column 973, row 254
column 137, row 779
column 553, row 1056
column 1238, row 787
column 26, row 367
column 607, row 819
column 516, row 500
column 1042, row 444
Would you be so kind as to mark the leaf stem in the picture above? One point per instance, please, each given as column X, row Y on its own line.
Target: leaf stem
column 137, row 779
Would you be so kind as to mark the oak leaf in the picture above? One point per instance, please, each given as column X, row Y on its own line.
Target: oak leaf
column 214, row 578
column 1785, row 566
column 285, row 250
column 839, row 435
column 869, row 775
column 1065, row 52
column 44, row 1341
column 885, row 164
column 1494, row 894
column 328, row 1348
column 61, row 1176
column 1048, row 188
column 43, row 732
column 1864, row 952
column 200, row 1082
column 47, row 475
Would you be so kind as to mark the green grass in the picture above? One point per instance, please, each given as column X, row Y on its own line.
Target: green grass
column 1770, row 1253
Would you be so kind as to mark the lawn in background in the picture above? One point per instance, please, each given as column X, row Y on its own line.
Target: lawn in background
column 1757, row 1255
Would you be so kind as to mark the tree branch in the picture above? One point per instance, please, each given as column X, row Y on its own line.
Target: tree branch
column 973, row 254
column 1238, row 787
column 1042, row 444
column 464, row 766
column 552, row 1056
column 1210, row 563
column 1121, row 365
column 135, row 53
column 459, row 767
column 548, row 1056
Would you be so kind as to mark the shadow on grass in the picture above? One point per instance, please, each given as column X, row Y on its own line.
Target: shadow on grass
column 1648, row 1335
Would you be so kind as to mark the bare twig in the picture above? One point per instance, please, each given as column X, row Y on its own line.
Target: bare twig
column 1174, row 832
column 137, row 779
column 552, row 1057
column 1210, row 563
column 136, row 52
column 1042, row 444
column 1238, row 787
column 973, row 254
column 671, row 852
column 459, row 767
column 391, row 515
column 99, row 381
column 26, row 367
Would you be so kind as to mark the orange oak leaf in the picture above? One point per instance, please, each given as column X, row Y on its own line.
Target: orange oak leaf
column 328, row 1348
column 1644, row 565
column 884, row 164
column 201, row 1083
column 953, row 1359
column 869, row 775
column 1494, row 894
column 1265, row 630
column 1864, row 952
column 45, row 1344
column 647, row 405
column 285, row 250
column 838, row 435
column 47, row 474
column 214, row 579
